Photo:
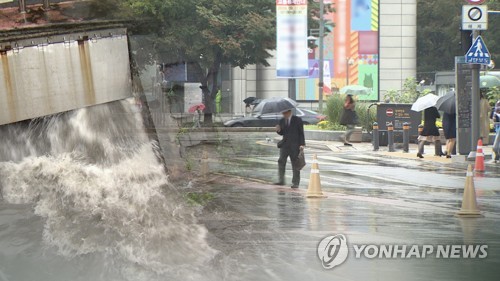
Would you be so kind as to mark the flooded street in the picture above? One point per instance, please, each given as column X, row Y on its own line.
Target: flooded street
column 115, row 216
column 78, row 197
column 141, row 140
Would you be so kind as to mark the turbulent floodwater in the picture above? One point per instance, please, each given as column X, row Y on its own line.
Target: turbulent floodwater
column 83, row 197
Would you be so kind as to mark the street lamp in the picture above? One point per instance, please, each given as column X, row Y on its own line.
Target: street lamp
column 348, row 62
column 321, row 53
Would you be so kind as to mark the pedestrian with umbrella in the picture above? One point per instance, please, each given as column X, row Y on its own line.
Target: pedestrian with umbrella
column 447, row 104
column 349, row 118
column 197, row 109
column 430, row 133
column 291, row 128
column 275, row 105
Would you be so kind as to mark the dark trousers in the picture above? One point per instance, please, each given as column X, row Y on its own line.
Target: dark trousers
column 284, row 154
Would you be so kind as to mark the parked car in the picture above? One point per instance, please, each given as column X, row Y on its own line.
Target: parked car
column 272, row 119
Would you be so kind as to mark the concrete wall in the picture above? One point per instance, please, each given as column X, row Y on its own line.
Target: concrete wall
column 398, row 43
column 46, row 77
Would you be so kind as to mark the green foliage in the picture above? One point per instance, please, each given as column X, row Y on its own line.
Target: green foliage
column 493, row 95
column 335, row 107
column 205, row 33
column 366, row 115
column 439, row 36
column 201, row 199
column 408, row 94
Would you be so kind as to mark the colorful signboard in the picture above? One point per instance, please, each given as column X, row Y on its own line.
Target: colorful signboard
column 353, row 49
column 292, row 49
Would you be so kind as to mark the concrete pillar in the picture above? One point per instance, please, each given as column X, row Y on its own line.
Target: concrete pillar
column 398, row 41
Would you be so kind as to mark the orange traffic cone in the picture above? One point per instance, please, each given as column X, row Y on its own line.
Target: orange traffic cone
column 469, row 204
column 314, row 188
column 479, row 166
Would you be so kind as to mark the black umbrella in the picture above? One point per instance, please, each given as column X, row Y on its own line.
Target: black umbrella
column 256, row 102
column 447, row 103
column 275, row 105
column 249, row 100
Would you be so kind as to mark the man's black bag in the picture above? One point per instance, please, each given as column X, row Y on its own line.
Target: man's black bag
column 300, row 162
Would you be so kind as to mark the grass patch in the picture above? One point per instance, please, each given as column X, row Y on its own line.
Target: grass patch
column 199, row 199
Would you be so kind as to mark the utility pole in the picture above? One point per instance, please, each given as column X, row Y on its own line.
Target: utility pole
column 321, row 53
column 475, row 131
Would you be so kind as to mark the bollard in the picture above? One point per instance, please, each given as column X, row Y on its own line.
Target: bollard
column 22, row 6
column 390, row 137
column 420, row 130
column 376, row 137
column 406, row 137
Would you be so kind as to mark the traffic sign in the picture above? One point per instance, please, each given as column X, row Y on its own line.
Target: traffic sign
column 478, row 53
column 476, row 2
column 474, row 17
column 389, row 112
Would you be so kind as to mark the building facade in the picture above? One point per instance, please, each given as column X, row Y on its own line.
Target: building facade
column 373, row 44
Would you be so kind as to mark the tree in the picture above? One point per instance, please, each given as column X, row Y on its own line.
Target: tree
column 409, row 93
column 439, row 37
column 205, row 33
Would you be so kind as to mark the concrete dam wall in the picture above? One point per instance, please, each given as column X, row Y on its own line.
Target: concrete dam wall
column 48, row 75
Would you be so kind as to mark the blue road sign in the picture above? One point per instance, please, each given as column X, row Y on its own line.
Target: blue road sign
column 478, row 53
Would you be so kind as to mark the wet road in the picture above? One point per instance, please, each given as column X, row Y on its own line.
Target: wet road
column 371, row 199
column 369, row 174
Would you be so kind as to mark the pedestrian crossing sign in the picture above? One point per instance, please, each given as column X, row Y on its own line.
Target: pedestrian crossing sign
column 478, row 53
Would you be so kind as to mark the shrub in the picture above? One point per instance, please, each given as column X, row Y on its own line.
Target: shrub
column 335, row 107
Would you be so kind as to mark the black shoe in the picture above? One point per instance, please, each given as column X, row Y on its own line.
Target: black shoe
column 448, row 156
column 440, row 155
column 279, row 183
column 420, row 155
column 347, row 144
column 294, row 186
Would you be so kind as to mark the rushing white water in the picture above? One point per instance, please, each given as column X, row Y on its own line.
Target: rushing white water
column 93, row 176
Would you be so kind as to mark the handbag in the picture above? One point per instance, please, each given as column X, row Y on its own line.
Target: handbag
column 300, row 162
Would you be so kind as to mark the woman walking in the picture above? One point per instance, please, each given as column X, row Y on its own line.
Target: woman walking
column 450, row 132
column 349, row 118
column 484, row 119
column 430, row 133
column 496, row 121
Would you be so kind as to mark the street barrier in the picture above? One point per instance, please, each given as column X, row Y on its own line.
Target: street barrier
column 406, row 137
column 376, row 137
column 390, row 137
column 479, row 165
column 314, row 188
column 469, row 203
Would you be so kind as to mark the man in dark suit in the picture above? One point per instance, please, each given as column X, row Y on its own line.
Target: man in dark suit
column 292, row 129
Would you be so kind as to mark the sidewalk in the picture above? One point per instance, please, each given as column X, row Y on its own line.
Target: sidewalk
column 265, row 232
column 383, row 151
